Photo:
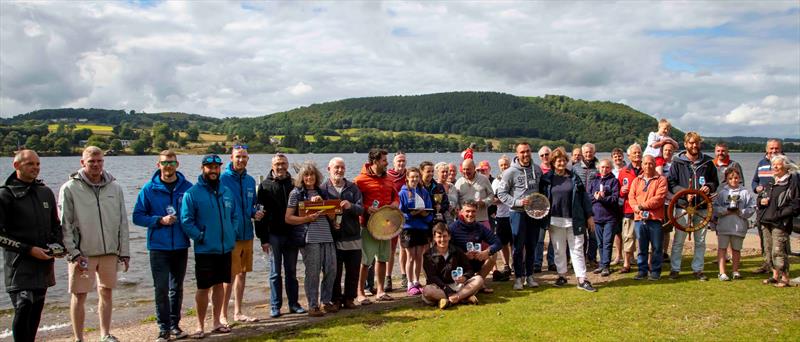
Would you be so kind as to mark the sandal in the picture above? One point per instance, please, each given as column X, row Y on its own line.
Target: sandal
column 246, row 319
column 197, row 335
column 222, row 329
column 769, row 281
column 364, row 301
column 625, row 270
column 384, row 298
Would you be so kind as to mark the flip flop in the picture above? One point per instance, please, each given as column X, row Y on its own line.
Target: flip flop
column 197, row 335
column 384, row 298
column 247, row 319
column 364, row 301
column 222, row 329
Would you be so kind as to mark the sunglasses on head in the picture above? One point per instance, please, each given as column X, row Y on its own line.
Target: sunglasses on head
column 212, row 159
column 168, row 163
column 239, row 147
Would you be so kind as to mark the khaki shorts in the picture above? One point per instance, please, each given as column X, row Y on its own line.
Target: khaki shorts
column 628, row 235
column 242, row 257
column 372, row 248
column 723, row 241
column 103, row 268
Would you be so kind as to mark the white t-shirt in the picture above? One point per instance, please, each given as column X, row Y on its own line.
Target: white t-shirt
column 653, row 138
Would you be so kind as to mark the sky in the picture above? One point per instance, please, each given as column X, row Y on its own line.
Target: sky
column 719, row 68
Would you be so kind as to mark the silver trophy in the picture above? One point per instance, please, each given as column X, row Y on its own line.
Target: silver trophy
column 733, row 202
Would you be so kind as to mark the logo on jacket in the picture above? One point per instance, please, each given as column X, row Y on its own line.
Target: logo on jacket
column 46, row 205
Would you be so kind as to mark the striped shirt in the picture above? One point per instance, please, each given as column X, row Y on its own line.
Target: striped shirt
column 318, row 231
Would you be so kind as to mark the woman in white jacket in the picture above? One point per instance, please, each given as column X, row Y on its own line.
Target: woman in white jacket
column 733, row 206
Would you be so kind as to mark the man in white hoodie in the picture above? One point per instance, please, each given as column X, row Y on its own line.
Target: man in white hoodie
column 95, row 225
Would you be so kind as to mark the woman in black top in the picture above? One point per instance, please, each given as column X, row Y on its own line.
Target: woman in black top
column 777, row 205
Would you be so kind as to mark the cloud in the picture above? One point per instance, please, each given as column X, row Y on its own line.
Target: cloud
column 707, row 66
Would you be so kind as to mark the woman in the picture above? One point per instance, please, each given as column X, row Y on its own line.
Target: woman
column 570, row 216
column 319, row 253
column 778, row 204
column 445, row 284
column 415, row 204
column 438, row 193
column 442, row 170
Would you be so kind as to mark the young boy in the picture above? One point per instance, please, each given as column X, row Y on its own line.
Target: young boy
column 656, row 139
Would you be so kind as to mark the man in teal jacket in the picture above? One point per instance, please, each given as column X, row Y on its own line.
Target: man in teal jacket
column 209, row 217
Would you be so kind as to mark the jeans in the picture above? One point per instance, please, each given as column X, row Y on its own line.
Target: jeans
column 285, row 254
column 539, row 255
column 525, row 232
column 604, row 233
column 649, row 232
column 319, row 257
column 699, row 237
column 28, row 305
column 591, row 246
column 348, row 262
column 168, row 269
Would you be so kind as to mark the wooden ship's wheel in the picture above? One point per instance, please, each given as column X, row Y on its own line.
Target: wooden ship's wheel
column 695, row 215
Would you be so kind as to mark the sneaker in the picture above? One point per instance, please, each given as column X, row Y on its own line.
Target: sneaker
column 700, row 276
column 654, row 277
column 552, row 268
column 413, row 291
column 178, row 334
column 109, row 338
column 444, row 303
column 793, row 281
column 275, row 313
column 737, row 276
column 387, row 284
column 723, row 277
column 330, row 308
column 587, row 286
column 498, row 275
column 605, row 273
column 597, row 270
column 403, row 280
column 472, row 300
column 315, row 312
column 639, row 276
column 370, row 292
column 674, row 275
column 537, row 269
column 529, row 282
column 518, row 284
column 297, row 310
column 163, row 336
column 561, row 281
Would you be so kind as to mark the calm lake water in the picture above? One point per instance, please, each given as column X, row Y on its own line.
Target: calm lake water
column 133, row 171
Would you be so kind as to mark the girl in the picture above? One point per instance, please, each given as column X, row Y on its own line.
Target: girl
column 415, row 203
column 733, row 206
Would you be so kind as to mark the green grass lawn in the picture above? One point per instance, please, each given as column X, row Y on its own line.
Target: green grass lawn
column 622, row 309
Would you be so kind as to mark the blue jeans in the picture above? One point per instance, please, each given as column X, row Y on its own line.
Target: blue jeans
column 591, row 246
column 285, row 254
column 539, row 255
column 525, row 233
column 604, row 233
column 168, row 269
column 649, row 232
column 699, row 237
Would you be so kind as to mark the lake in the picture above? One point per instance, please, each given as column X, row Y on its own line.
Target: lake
column 133, row 171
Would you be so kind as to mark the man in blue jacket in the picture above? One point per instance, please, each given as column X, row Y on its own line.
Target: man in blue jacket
column 243, row 188
column 466, row 230
column 157, row 209
column 210, row 218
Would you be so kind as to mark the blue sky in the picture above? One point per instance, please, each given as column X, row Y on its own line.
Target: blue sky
column 717, row 68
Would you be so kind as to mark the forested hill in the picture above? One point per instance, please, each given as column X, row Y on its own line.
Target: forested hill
column 478, row 114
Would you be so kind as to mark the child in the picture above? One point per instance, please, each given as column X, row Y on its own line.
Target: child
column 656, row 139
column 415, row 203
column 733, row 206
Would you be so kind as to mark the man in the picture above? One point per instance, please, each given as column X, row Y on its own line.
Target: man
column 441, row 204
column 761, row 178
column 662, row 167
column 538, row 261
column 646, row 196
column 243, row 189
column 722, row 160
column 544, row 158
column 485, row 169
column 576, row 156
column 29, row 226
column 397, row 174
column 440, row 262
column 691, row 169
column 519, row 182
column 468, row 153
column 273, row 231
column 502, row 224
column 475, row 187
column 451, row 173
column 466, row 230
column 626, row 177
column 586, row 169
column 95, row 226
column 209, row 217
column 157, row 209
column 346, row 234
column 378, row 192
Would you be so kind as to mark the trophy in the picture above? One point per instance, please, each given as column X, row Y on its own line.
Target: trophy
column 437, row 200
column 733, row 202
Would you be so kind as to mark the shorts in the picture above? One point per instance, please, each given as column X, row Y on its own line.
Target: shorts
column 212, row 269
column 373, row 248
column 503, row 230
column 628, row 235
column 617, row 230
column 730, row 240
column 410, row 238
column 242, row 257
column 103, row 268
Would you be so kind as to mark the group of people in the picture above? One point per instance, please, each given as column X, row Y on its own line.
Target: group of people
column 452, row 232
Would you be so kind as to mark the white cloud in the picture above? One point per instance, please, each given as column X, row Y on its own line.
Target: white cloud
column 227, row 59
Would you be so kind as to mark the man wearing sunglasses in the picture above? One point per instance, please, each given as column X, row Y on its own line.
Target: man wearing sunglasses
column 157, row 209
column 210, row 217
column 243, row 188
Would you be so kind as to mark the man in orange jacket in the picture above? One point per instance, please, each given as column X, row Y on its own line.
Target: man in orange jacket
column 648, row 191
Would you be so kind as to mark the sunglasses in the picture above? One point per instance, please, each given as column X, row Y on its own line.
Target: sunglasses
column 239, row 147
column 168, row 163
column 544, row 155
column 212, row 159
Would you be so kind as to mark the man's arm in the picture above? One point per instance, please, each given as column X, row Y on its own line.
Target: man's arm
column 70, row 232
column 188, row 221
column 504, row 190
column 142, row 210
column 5, row 241
column 657, row 201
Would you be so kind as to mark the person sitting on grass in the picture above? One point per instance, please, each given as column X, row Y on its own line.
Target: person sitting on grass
column 466, row 230
column 733, row 206
column 440, row 262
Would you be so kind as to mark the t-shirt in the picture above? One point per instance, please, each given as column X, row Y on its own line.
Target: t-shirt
column 561, row 196
column 318, row 231
column 170, row 186
column 653, row 138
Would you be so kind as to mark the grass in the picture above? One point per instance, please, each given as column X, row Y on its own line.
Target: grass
column 622, row 309
column 206, row 137
column 96, row 129
column 148, row 319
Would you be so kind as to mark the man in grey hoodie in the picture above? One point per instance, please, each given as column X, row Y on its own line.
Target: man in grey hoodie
column 518, row 182
column 95, row 225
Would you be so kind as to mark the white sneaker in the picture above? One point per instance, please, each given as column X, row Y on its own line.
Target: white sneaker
column 518, row 284
column 723, row 277
column 529, row 282
column 737, row 275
